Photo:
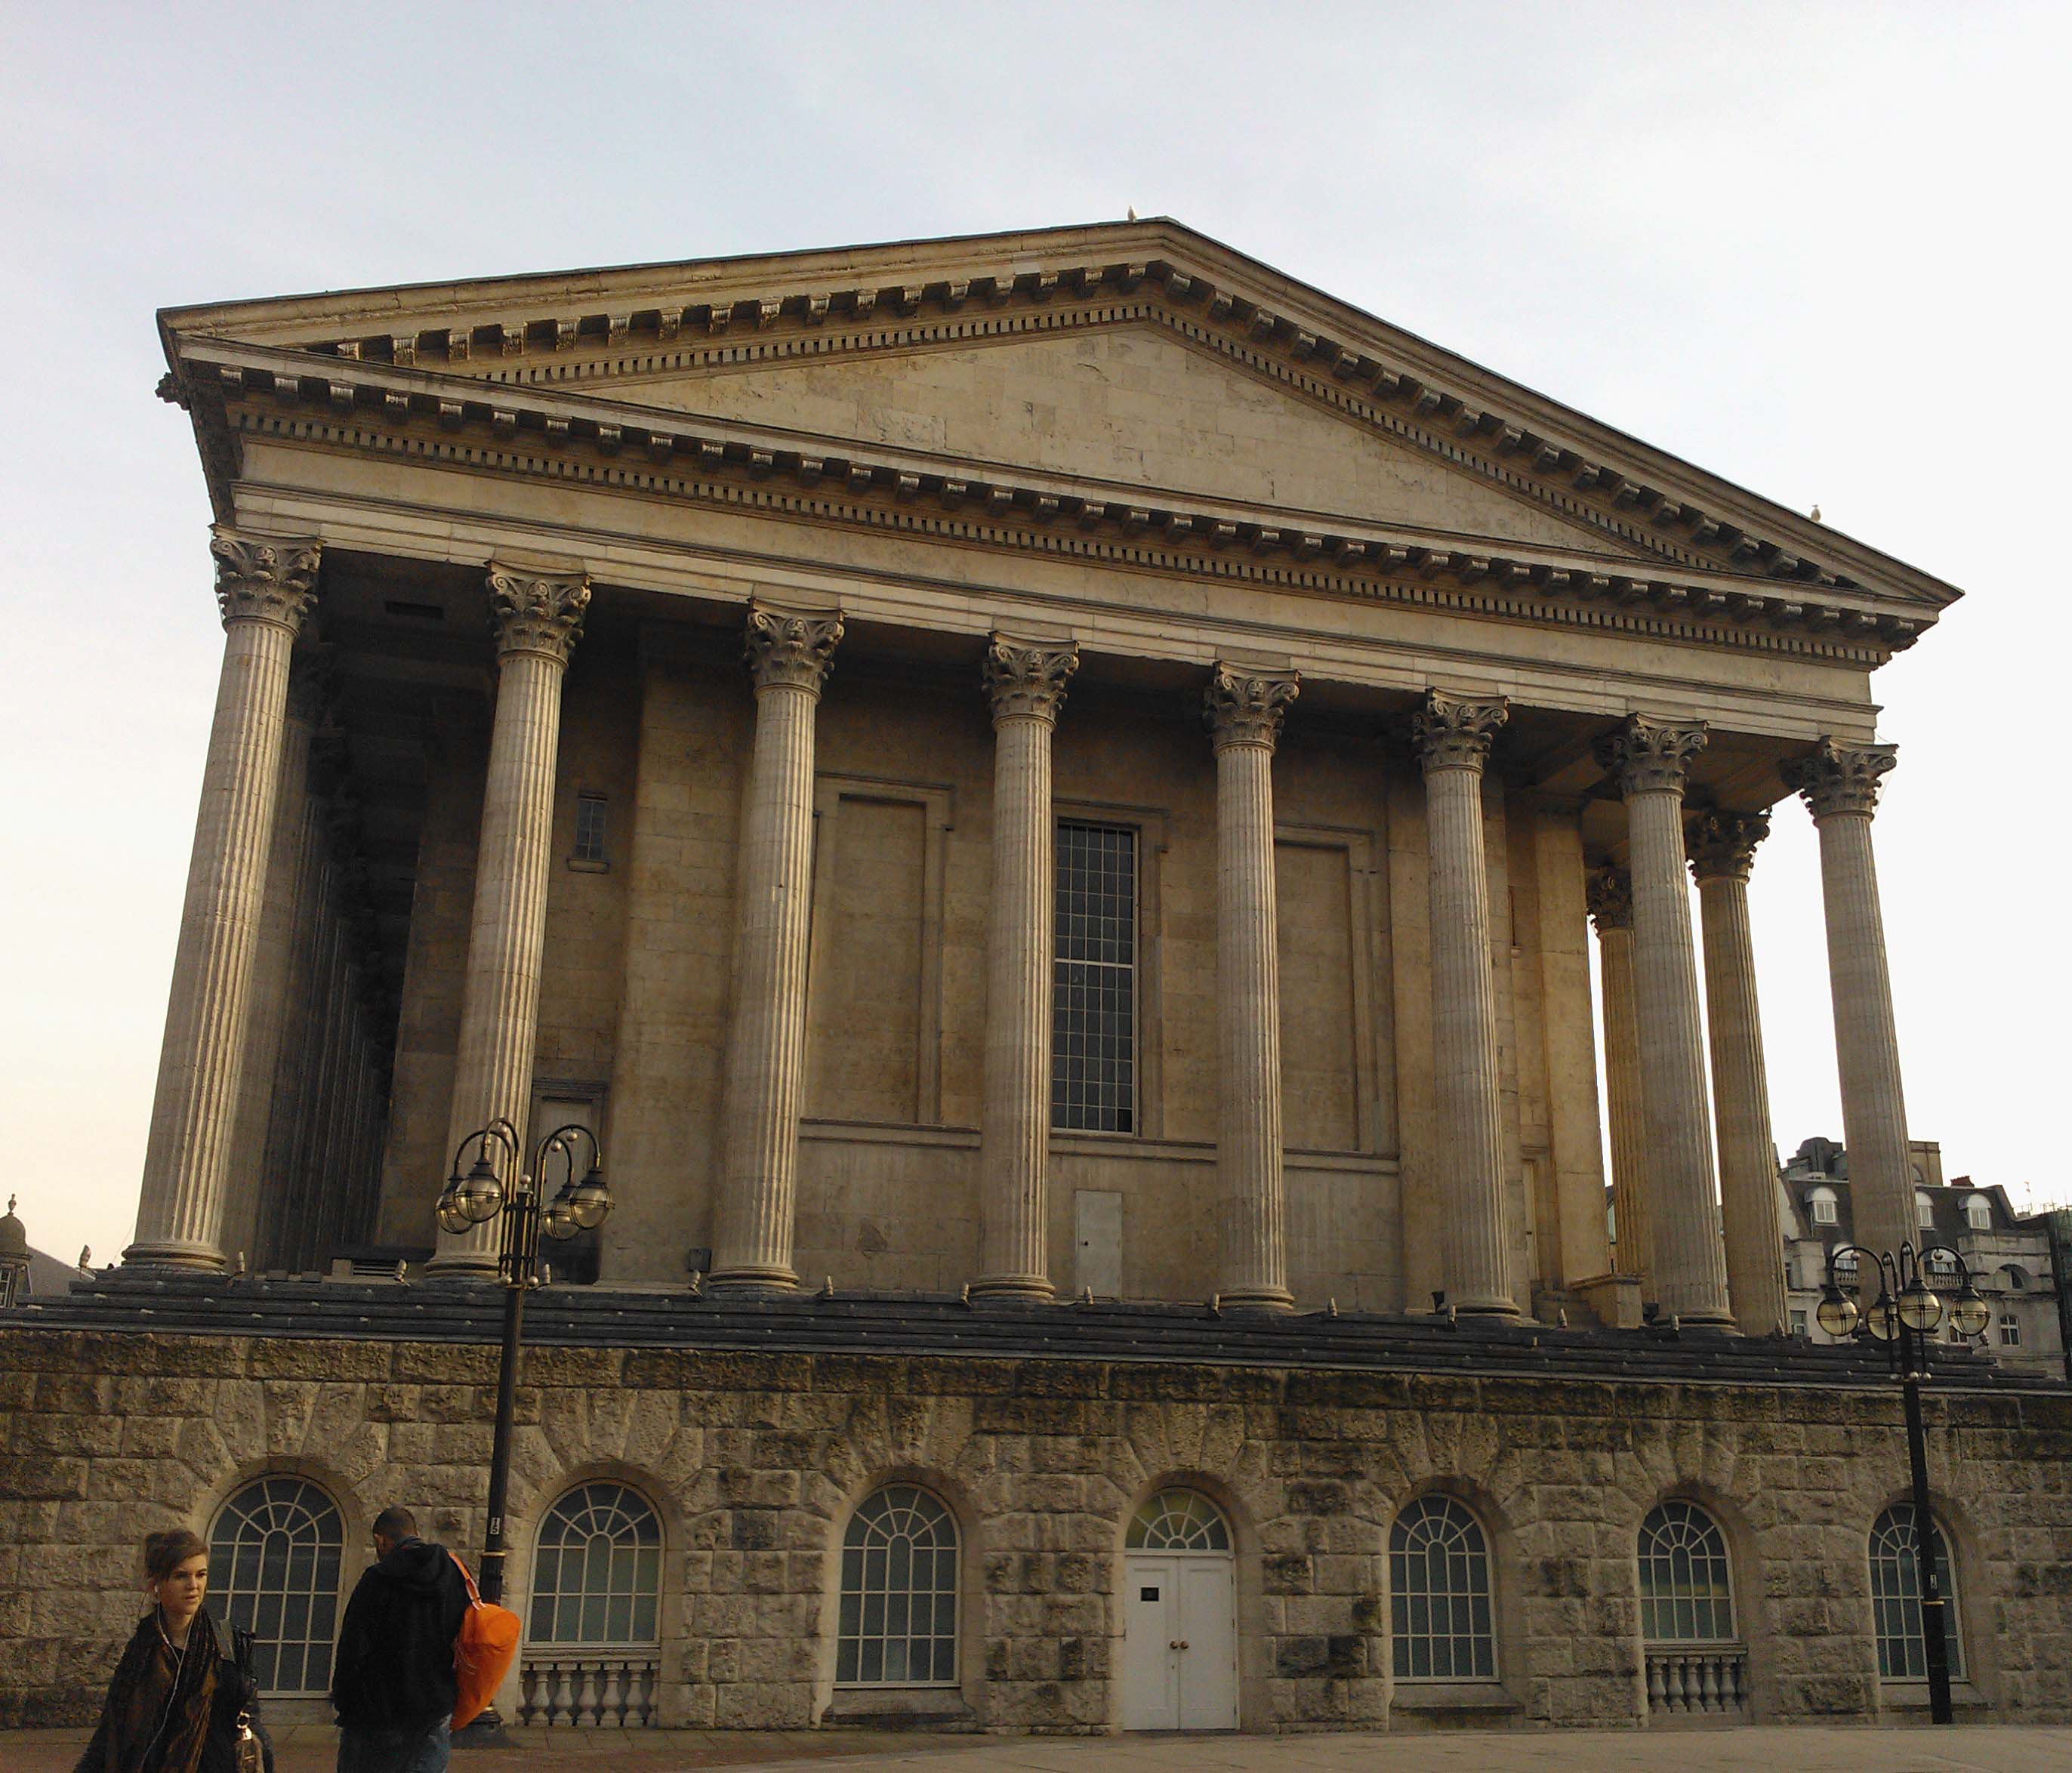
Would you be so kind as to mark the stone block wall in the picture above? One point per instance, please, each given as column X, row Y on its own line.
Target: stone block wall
column 754, row 1461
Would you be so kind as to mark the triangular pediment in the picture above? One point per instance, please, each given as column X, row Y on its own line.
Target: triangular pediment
column 1118, row 360
column 1130, row 405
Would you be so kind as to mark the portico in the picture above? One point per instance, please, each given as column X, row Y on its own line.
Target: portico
column 943, row 946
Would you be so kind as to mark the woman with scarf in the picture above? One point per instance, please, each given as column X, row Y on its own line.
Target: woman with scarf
column 181, row 1697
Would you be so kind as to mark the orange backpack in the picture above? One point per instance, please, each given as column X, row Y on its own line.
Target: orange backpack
column 488, row 1640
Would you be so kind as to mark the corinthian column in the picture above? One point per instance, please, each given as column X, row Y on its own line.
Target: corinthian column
column 1841, row 785
column 1649, row 761
column 536, row 617
column 1452, row 736
column 1026, row 686
column 788, row 656
column 1611, row 910
column 265, row 586
column 1244, row 710
column 1722, row 850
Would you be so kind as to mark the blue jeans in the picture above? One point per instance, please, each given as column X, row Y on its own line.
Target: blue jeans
column 423, row 1750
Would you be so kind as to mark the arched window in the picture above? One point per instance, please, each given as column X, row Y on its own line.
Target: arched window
column 597, row 1570
column 1685, row 1588
column 1924, row 1210
column 1821, row 1203
column 898, row 1625
column 1439, row 1593
column 2015, row 1280
column 1979, row 1213
column 1895, row 1596
column 1178, row 1520
column 274, row 1563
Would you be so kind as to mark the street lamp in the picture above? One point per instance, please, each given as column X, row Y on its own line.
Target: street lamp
column 1904, row 1315
column 473, row 1199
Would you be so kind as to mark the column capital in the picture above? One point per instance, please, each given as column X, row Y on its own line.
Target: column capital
column 1609, row 893
column 785, row 648
column 1835, row 778
column 264, row 578
column 1722, row 845
column 1649, row 756
column 1454, row 732
column 1027, row 681
column 534, row 612
column 1244, row 706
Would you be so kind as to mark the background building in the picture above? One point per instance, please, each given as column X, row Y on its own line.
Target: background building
column 1091, row 1027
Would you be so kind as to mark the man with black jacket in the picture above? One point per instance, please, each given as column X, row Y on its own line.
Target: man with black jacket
column 392, row 1682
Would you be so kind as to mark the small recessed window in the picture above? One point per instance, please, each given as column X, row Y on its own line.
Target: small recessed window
column 590, row 830
column 2010, row 1331
column 1799, row 1323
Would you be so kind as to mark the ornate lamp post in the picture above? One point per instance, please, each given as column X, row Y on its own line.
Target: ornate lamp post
column 479, row 1197
column 1906, row 1315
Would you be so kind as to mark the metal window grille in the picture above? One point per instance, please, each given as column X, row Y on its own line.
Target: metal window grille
column 597, row 1570
column 1178, row 1520
column 1896, row 1596
column 273, row 1560
column 589, row 827
column 898, row 1624
column 1686, row 1588
column 1093, row 1058
column 1439, row 1593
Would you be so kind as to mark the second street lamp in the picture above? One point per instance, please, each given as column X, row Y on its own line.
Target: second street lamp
column 1904, row 1317
column 580, row 1204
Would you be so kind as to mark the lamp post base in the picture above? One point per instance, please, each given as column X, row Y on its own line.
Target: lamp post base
column 486, row 1731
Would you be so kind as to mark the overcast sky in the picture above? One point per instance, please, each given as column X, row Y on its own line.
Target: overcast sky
column 1816, row 248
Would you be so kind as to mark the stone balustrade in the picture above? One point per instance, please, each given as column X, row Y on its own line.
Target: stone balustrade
column 1698, row 1680
column 605, row 1689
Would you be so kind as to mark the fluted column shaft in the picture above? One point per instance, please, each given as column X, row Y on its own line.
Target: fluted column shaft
column 1611, row 908
column 1722, row 850
column 1244, row 712
column 1841, row 785
column 1453, row 740
column 265, row 586
column 1690, row 1263
column 1026, row 686
column 788, row 656
column 537, row 617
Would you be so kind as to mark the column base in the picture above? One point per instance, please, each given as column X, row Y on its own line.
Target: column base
column 1490, row 1305
column 463, row 1265
column 1255, row 1298
column 1014, row 1289
column 203, row 1257
column 752, row 1278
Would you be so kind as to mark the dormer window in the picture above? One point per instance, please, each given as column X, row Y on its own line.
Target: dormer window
column 1924, row 1210
column 1979, row 1213
column 1821, row 1204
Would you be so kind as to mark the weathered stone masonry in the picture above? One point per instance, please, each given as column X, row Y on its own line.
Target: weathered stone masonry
column 753, row 1458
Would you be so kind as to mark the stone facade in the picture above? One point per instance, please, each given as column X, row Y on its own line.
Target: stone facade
column 754, row 1461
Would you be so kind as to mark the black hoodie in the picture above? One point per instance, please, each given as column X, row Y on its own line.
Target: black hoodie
column 395, row 1663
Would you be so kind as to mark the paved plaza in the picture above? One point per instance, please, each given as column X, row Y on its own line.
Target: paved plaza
column 1811, row 1749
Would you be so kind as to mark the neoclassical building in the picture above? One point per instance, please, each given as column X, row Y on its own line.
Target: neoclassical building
column 1044, row 796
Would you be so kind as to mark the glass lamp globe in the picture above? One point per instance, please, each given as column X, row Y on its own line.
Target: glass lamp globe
column 1882, row 1319
column 480, row 1194
column 559, row 1220
column 1919, row 1308
column 451, row 1217
column 590, row 1200
column 1971, row 1315
column 1837, row 1312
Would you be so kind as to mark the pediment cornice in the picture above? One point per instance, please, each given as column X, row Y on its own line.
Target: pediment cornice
column 561, row 431
column 564, row 328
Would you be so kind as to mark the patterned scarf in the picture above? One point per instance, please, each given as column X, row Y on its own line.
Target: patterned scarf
column 161, row 1701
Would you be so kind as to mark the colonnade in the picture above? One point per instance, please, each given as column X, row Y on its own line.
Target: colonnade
column 1664, row 1124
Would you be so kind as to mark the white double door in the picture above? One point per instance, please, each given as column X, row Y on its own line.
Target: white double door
column 1179, row 1647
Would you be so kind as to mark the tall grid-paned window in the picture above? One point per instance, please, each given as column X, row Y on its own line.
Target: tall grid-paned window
column 1441, row 1615
column 1895, row 1596
column 597, row 1571
column 899, row 1626
column 590, row 827
column 1686, row 1592
column 273, row 1565
column 1093, row 1054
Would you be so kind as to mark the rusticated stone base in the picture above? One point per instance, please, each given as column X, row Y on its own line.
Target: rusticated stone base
column 754, row 1457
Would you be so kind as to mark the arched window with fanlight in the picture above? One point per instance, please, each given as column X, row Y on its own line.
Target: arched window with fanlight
column 273, row 1560
column 1687, row 1593
column 1902, row 1651
column 597, row 1570
column 1441, row 1607
column 1178, row 1520
column 898, row 1607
